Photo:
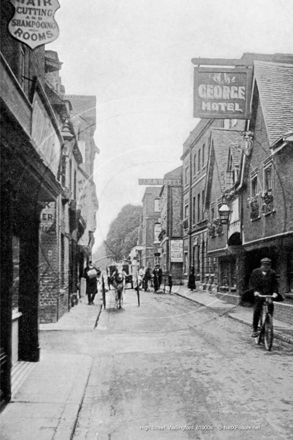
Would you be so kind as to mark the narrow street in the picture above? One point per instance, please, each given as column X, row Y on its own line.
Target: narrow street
column 174, row 369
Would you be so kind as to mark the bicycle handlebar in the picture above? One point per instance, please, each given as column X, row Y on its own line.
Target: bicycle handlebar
column 265, row 296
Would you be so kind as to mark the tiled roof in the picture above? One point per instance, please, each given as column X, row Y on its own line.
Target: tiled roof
column 275, row 85
column 174, row 174
column 223, row 141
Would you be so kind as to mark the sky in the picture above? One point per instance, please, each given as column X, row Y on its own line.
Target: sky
column 135, row 57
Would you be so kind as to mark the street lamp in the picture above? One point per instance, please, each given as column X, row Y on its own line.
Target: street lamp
column 224, row 212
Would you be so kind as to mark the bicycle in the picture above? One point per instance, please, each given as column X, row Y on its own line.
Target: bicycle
column 266, row 328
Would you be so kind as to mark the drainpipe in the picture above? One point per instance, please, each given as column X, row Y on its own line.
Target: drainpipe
column 190, row 212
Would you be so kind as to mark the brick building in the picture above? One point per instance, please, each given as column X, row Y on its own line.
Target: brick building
column 254, row 179
column 222, row 172
column 29, row 181
column 148, row 242
column 195, row 156
column 170, row 237
column 40, row 222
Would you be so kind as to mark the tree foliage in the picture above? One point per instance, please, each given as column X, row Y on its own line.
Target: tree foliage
column 123, row 232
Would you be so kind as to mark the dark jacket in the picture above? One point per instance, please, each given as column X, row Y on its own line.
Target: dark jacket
column 264, row 284
column 91, row 283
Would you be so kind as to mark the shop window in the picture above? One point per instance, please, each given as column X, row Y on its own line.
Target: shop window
column 15, row 285
column 185, row 262
column 62, row 260
column 290, row 271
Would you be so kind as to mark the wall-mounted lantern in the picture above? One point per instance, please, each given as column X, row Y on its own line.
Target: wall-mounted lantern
column 224, row 212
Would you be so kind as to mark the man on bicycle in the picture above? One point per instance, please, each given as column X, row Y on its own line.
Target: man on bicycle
column 263, row 281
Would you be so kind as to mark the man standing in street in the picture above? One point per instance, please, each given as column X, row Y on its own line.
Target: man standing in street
column 158, row 275
column 263, row 281
column 90, row 274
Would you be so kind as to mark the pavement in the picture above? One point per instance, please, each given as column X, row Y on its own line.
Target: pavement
column 48, row 395
column 282, row 330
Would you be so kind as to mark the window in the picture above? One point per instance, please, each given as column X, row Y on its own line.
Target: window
column 157, row 260
column 202, row 205
column 194, row 165
column 268, row 178
column 198, row 208
column 186, row 175
column 22, row 67
column 157, row 205
column 193, row 210
column 157, row 230
column 254, row 186
column 203, row 155
column 186, row 211
column 212, row 218
column 199, row 162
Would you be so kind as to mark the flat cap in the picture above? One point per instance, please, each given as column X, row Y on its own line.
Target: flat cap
column 265, row 260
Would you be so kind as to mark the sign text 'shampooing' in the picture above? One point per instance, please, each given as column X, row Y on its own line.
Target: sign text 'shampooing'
column 33, row 22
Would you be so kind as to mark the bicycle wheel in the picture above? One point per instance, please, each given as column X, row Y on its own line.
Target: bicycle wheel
column 268, row 332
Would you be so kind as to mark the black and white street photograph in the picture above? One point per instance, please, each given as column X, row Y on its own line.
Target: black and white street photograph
column 146, row 220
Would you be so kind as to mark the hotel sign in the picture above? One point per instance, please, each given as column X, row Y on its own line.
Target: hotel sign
column 222, row 93
column 159, row 182
column 33, row 22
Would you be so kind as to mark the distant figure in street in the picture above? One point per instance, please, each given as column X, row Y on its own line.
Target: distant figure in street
column 147, row 278
column 90, row 274
column 99, row 279
column 158, row 275
column 191, row 279
column 263, row 281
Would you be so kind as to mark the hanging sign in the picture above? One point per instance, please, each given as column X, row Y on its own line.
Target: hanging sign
column 159, row 182
column 33, row 22
column 222, row 93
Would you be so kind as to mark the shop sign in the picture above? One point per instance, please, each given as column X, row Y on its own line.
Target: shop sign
column 33, row 22
column 47, row 216
column 44, row 135
column 157, row 182
column 222, row 93
column 176, row 251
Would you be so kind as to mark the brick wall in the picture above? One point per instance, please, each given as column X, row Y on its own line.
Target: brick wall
column 284, row 312
column 176, row 211
column 49, row 276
